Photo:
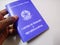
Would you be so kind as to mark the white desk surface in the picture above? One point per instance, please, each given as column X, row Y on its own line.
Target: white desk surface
column 50, row 11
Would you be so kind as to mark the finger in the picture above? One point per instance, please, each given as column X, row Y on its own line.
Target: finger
column 3, row 12
column 6, row 22
column 12, row 32
column 12, row 29
column 1, row 17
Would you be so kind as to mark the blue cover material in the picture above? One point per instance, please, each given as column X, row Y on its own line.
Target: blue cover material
column 30, row 22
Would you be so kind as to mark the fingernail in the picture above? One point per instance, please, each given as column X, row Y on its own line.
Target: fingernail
column 16, row 17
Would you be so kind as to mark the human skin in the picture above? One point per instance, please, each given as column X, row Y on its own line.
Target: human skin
column 5, row 25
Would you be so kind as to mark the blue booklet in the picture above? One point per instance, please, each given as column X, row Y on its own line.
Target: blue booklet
column 30, row 22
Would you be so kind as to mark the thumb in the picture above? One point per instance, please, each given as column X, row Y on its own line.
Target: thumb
column 6, row 22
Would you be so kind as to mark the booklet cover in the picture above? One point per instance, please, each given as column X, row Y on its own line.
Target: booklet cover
column 30, row 22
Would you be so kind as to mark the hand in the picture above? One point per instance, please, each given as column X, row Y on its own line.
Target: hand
column 6, row 25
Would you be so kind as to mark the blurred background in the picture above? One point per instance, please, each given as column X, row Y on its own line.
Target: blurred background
column 50, row 11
